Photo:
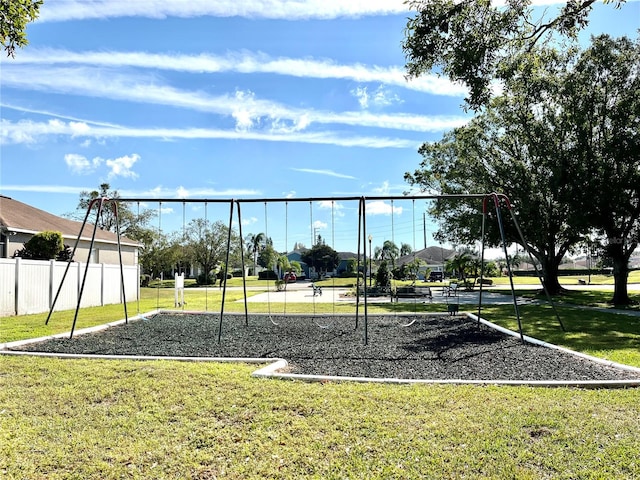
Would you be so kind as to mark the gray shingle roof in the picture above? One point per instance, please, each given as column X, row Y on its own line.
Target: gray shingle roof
column 430, row 255
column 19, row 217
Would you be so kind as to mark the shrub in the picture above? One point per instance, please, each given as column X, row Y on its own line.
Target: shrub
column 267, row 275
column 42, row 246
column 206, row 279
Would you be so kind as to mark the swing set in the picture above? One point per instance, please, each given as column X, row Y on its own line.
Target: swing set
column 499, row 202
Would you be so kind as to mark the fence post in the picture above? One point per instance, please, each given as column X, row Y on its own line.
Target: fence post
column 16, row 293
column 102, row 284
column 52, row 267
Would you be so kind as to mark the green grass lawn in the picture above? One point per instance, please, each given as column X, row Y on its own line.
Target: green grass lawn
column 72, row 419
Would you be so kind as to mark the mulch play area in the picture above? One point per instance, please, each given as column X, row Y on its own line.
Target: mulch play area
column 435, row 347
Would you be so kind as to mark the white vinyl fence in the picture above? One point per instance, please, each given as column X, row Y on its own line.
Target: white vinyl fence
column 30, row 286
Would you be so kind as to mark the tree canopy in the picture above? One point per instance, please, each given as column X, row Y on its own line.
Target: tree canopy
column 14, row 17
column 206, row 244
column 604, row 87
column 475, row 43
column 552, row 143
column 133, row 224
column 321, row 257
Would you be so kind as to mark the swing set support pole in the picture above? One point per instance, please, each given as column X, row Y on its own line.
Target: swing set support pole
column 226, row 269
column 496, row 199
column 544, row 286
column 484, row 219
column 244, row 277
column 86, row 267
column 66, row 270
column 363, row 208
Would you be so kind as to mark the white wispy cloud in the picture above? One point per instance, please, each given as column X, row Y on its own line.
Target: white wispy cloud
column 81, row 165
column 122, row 166
column 329, row 173
column 378, row 98
column 247, row 63
column 320, row 225
column 118, row 167
column 243, row 106
column 380, row 207
column 336, row 208
column 30, row 132
column 65, row 10
column 182, row 192
column 156, row 192
column 63, row 189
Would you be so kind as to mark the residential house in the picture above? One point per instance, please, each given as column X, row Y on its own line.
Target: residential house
column 19, row 222
column 433, row 259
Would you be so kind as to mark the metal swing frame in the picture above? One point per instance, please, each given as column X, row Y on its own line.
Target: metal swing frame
column 499, row 200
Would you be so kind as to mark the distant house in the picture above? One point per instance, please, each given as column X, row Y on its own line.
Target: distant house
column 433, row 258
column 308, row 272
column 19, row 222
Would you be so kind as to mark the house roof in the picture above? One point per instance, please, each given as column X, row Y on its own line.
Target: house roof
column 430, row 255
column 19, row 217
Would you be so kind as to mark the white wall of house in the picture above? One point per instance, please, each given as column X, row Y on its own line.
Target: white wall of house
column 103, row 252
column 30, row 286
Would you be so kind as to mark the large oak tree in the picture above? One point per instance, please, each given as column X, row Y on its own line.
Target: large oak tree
column 562, row 144
column 475, row 42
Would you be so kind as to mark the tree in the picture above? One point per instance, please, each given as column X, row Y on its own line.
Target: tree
column 475, row 43
column 461, row 265
column 255, row 243
column 383, row 275
column 159, row 253
column 321, row 257
column 562, row 143
column 388, row 251
column 521, row 146
column 268, row 257
column 206, row 244
column 14, row 17
column 46, row 245
column 405, row 249
column 411, row 269
column 604, row 87
column 132, row 224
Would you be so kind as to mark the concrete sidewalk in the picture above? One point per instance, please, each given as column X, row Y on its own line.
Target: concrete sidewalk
column 303, row 293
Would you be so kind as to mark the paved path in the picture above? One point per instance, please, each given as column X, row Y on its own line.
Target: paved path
column 301, row 292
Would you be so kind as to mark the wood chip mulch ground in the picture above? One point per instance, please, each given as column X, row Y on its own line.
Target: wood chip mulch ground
column 433, row 347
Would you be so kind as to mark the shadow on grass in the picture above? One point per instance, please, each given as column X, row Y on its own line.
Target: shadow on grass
column 586, row 330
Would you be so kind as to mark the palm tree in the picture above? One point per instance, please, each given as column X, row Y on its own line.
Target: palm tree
column 255, row 244
column 390, row 251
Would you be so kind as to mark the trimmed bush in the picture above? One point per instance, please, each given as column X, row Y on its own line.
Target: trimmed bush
column 42, row 246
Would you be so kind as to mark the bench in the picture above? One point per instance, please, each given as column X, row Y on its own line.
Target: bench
column 450, row 290
column 413, row 292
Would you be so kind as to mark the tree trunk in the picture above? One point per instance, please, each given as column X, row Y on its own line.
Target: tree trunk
column 550, row 276
column 620, row 274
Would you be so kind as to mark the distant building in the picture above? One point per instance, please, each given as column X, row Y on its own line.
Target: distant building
column 19, row 222
column 433, row 258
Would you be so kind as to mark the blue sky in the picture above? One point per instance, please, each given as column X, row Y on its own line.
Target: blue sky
column 231, row 99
